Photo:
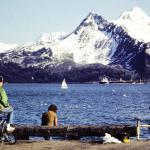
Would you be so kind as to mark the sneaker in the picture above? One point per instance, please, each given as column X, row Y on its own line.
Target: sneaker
column 9, row 128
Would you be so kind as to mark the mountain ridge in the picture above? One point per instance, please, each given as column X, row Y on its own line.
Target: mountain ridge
column 94, row 41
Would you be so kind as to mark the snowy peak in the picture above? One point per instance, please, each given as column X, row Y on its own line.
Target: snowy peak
column 94, row 19
column 136, row 14
column 89, row 17
column 136, row 23
column 90, row 42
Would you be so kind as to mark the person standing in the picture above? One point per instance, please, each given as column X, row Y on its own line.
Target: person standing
column 5, row 107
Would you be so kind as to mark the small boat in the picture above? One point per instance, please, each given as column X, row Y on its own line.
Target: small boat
column 64, row 85
column 104, row 81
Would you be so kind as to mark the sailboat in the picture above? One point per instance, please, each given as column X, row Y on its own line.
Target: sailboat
column 104, row 81
column 64, row 85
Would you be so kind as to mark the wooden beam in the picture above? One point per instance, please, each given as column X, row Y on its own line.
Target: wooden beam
column 146, row 125
column 138, row 129
column 24, row 131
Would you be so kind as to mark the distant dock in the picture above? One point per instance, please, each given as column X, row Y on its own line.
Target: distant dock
column 125, row 81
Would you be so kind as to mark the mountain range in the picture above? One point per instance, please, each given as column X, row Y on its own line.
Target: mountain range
column 97, row 47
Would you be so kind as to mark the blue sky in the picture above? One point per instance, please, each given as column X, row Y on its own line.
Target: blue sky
column 23, row 21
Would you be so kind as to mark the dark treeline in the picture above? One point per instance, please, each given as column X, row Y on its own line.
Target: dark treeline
column 73, row 73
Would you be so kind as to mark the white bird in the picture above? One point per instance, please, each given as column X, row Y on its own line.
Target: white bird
column 110, row 139
column 124, row 95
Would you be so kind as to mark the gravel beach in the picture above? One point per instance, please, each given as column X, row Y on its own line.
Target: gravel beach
column 76, row 145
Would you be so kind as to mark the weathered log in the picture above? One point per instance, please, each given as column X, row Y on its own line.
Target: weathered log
column 24, row 131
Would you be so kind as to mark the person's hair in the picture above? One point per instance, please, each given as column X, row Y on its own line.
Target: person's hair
column 1, row 78
column 53, row 108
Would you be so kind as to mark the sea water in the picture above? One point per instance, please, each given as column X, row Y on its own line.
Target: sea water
column 82, row 104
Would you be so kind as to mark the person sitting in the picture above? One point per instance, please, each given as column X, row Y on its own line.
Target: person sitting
column 52, row 115
column 49, row 118
column 5, row 107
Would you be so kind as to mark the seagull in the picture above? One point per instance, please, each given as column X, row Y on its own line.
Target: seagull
column 110, row 139
column 124, row 95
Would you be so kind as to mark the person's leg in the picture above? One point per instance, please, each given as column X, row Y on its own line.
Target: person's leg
column 9, row 110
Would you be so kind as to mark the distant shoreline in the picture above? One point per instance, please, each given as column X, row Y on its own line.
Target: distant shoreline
column 92, row 82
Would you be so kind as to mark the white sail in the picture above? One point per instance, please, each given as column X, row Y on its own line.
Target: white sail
column 64, row 84
column 105, row 80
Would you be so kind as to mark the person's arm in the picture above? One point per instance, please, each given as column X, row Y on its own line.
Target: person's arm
column 56, row 121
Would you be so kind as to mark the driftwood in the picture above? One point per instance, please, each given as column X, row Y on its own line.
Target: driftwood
column 72, row 132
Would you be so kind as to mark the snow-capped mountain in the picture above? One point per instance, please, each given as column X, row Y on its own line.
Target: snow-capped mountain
column 90, row 42
column 95, row 40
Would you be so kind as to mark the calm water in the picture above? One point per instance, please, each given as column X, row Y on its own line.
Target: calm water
column 81, row 103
